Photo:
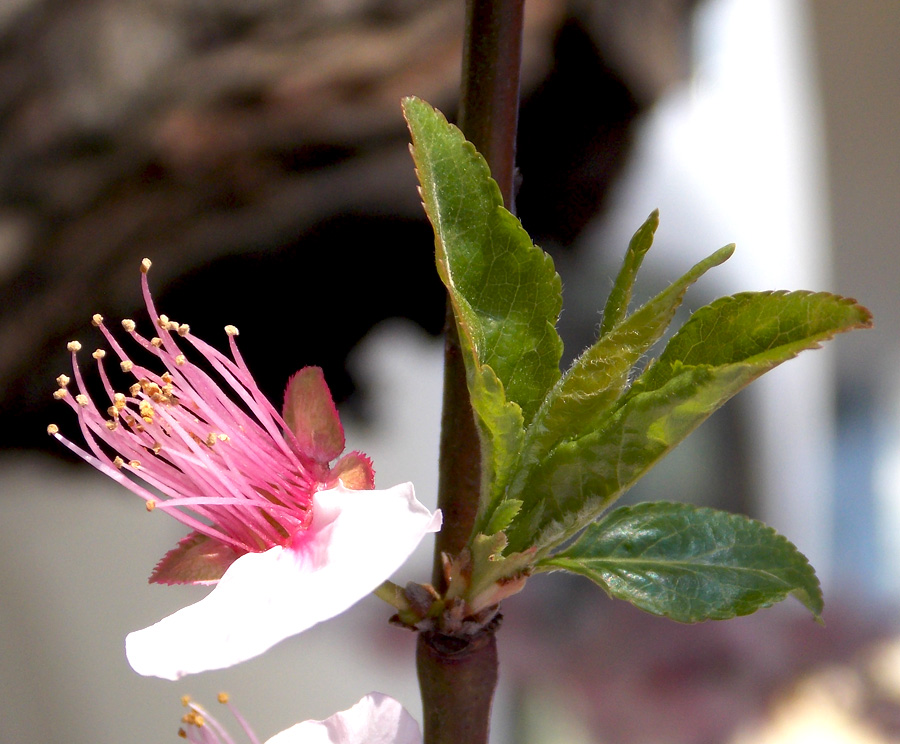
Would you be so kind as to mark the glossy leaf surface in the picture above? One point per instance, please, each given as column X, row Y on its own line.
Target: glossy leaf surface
column 505, row 293
column 721, row 349
column 690, row 563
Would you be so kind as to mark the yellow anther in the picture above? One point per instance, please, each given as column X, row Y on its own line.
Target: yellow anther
column 232, row 330
column 184, row 329
column 211, row 440
column 150, row 505
column 223, row 697
column 156, row 341
column 180, row 360
column 63, row 380
column 157, row 447
column 112, row 425
column 146, row 263
column 60, row 394
column 172, row 326
column 99, row 354
column 52, row 429
column 185, row 699
column 73, row 346
column 182, row 734
column 81, row 399
column 97, row 320
column 162, row 321
column 119, row 401
column 135, row 463
column 135, row 389
column 146, row 410
column 223, row 437
column 127, row 365
column 166, row 378
column 118, row 462
column 128, row 325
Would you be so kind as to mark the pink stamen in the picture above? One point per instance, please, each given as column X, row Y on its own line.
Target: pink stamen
column 228, row 467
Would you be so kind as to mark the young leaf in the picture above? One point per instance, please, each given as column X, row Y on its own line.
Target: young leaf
column 505, row 293
column 501, row 431
column 598, row 378
column 721, row 349
column 690, row 563
column 760, row 328
column 495, row 576
column 620, row 295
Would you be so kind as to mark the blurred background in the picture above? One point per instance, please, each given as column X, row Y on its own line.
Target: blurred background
column 254, row 150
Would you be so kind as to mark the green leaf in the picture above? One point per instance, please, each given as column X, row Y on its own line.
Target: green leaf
column 758, row 328
column 495, row 575
column 501, row 431
column 505, row 293
column 620, row 295
column 690, row 563
column 598, row 378
column 502, row 516
column 720, row 350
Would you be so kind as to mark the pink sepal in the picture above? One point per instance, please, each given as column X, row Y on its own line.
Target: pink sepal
column 310, row 412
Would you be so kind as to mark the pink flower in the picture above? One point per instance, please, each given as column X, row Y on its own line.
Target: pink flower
column 288, row 538
column 376, row 719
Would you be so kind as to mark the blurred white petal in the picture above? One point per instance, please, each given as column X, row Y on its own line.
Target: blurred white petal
column 376, row 719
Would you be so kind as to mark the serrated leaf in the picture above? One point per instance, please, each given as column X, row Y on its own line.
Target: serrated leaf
column 762, row 328
column 496, row 576
column 690, row 563
column 505, row 293
column 502, row 516
column 728, row 345
column 598, row 378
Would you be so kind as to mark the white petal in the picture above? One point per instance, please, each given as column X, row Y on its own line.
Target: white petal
column 376, row 719
column 356, row 541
